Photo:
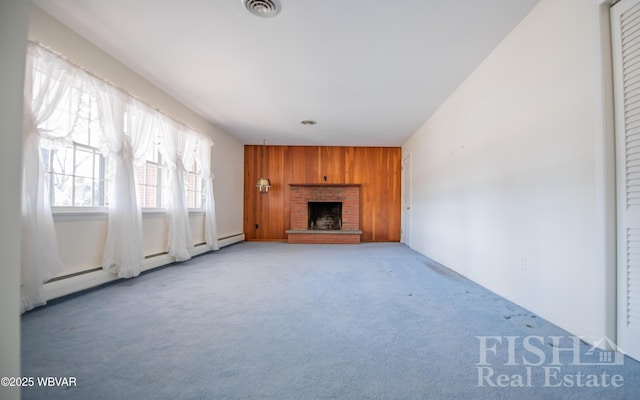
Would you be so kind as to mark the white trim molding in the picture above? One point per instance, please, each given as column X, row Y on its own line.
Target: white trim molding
column 605, row 164
column 83, row 281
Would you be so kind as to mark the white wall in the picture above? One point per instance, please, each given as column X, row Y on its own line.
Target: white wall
column 504, row 173
column 81, row 238
column 13, row 39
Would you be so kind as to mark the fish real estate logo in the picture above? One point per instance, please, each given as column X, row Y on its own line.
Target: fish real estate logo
column 551, row 361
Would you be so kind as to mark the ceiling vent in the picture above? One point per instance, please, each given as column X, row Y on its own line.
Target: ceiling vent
column 262, row 8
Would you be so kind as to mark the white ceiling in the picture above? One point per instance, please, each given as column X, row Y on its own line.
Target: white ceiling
column 369, row 71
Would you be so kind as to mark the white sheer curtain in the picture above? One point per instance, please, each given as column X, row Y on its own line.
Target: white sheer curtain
column 178, row 148
column 58, row 103
column 123, row 249
column 49, row 81
column 210, row 228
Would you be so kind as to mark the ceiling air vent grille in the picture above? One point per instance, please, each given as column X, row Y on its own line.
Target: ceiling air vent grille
column 262, row 8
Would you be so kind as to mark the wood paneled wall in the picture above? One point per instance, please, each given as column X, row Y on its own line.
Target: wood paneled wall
column 377, row 169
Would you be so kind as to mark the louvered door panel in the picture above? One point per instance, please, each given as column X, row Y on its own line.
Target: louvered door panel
column 632, row 277
column 625, row 26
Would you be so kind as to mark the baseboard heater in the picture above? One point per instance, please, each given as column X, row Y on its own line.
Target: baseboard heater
column 83, row 280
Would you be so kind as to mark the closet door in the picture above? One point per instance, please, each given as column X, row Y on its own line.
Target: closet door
column 625, row 26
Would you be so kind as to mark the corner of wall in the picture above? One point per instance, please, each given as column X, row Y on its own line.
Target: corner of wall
column 13, row 38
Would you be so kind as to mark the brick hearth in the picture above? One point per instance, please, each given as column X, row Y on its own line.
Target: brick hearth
column 302, row 194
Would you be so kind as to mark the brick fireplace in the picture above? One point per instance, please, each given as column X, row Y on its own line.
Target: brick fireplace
column 324, row 213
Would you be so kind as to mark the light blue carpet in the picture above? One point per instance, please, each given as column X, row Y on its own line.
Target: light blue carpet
column 279, row 321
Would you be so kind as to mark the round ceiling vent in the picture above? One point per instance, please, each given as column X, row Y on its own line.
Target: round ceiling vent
column 262, row 8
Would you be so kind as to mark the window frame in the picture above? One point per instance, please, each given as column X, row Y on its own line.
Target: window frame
column 196, row 172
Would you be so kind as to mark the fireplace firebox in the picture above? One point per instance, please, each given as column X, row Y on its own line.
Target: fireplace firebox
column 325, row 215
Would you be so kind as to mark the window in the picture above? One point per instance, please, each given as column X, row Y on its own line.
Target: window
column 74, row 170
column 194, row 187
column 150, row 177
column 78, row 174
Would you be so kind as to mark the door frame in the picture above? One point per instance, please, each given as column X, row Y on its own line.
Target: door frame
column 605, row 158
column 405, row 214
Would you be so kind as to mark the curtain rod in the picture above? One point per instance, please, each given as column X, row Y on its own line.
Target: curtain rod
column 92, row 74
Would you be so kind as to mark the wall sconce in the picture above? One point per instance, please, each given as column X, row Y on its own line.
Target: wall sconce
column 263, row 184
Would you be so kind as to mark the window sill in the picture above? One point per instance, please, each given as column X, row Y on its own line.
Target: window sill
column 163, row 211
column 79, row 213
column 100, row 213
column 154, row 212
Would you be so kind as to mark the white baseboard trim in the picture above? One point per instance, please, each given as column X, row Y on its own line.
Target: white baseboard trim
column 229, row 240
column 80, row 282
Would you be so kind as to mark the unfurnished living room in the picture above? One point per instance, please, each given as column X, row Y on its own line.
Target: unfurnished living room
column 296, row 199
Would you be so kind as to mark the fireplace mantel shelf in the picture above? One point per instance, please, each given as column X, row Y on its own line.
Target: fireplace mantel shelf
column 326, row 184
